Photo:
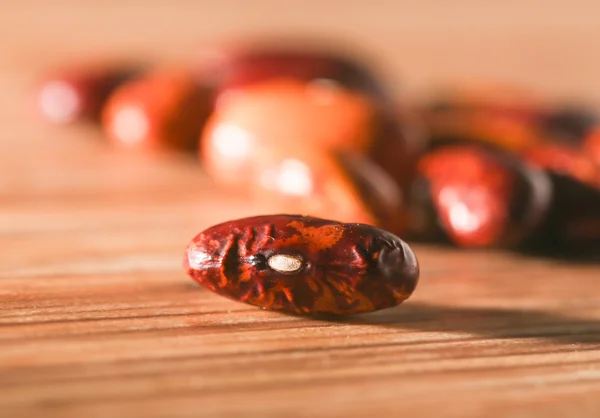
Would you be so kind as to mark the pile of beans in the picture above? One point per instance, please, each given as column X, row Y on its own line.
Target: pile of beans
column 319, row 133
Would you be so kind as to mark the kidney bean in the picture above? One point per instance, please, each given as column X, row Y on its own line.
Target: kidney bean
column 79, row 93
column 498, row 117
column 567, row 161
column 572, row 226
column 347, row 187
column 249, row 64
column 569, row 124
column 480, row 198
column 290, row 114
column 304, row 265
column 163, row 109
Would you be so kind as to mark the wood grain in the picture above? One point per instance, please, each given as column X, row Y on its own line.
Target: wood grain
column 98, row 319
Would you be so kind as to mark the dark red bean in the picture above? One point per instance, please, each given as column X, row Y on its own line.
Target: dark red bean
column 572, row 226
column 574, row 219
column 247, row 65
column 481, row 198
column 304, row 265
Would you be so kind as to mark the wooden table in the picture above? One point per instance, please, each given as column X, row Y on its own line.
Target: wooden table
column 97, row 318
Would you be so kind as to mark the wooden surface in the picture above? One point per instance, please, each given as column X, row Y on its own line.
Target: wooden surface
column 98, row 319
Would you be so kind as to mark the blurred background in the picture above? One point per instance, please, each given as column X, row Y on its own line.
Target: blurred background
column 417, row 47
column 549, row 45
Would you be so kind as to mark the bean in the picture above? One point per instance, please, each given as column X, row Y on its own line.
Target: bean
column 572, row 226
column 249, row 64
column 566, row 160
column 295, row 115
column 344, row 186
column 304, row 265
column 165, row 108
column 569, row 124
column 591, row 144
column 79, row 93
column 496, row 117
column 480, row 198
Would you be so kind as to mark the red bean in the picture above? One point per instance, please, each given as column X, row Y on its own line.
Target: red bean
column 566, row 160
column 304, row 265
column 163, row 109
column 308, row 118
column 482, row 198
column 247, row 65
column 343, row 186
column 591, row 144
column 79, row 93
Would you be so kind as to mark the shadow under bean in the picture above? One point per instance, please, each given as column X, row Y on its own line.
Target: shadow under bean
column 499, row 323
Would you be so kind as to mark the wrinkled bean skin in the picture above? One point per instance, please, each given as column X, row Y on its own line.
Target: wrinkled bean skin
column 345, row 268
column 481, row 198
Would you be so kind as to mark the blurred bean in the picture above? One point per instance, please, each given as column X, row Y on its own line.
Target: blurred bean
column 573, row 224
column 249, row 64
column 79, row 93
column 496, row 117
column 565, row 160
column 480, row 198
column 315, row 116
column 344, row 186
column 163, row 109
column 570, row 124
column 591, row 144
